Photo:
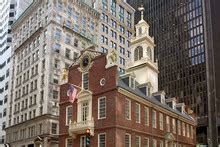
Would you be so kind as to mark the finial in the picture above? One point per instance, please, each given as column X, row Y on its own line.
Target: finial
column 141, row 9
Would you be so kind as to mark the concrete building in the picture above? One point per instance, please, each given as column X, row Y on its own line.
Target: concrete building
column 186, row 35
column 8, row 13
column 48, row 37
column 115, row 28
column 126, row 110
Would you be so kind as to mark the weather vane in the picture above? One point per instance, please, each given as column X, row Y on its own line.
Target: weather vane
column 141, row 9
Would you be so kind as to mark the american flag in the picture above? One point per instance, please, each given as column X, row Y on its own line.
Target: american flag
column 71, row 93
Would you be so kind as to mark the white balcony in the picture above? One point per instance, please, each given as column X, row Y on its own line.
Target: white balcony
column 77, row 128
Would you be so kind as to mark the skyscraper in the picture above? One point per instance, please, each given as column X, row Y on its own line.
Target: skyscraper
column 186, row 33
column 115, row 29
column 9, row 11
column 47, row 38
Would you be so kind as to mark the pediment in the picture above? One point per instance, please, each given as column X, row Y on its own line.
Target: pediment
column 84, row 95
column 169, row 137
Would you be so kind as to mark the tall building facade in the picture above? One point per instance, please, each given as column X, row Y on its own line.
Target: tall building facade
column 48, row 37
column 185, row 51
column 116, row 28
column 8, row 14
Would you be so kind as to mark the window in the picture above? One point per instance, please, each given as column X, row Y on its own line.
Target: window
column 149, row 53
column 187, row 130
column 85, row 81
column 183, row 128
column 191, row 131
column 69, row 113
column 69, row 142
column 161, row 121
column 54, row 128
column 138, row 53
column 57, row 48
column 102, row 107
column 83, row 141
column 174, row 125
column 146, row 142
column 154, row 119
column 101, row 140
column 137, row 113
column 179, row 127
column 58, row 34
column 138, row 141
column 161, row 143
column 75, row 56
column 85, row 109
column 168, row 123
column 59, row 19
column 68, row 39
column 67, row 53
column 56, row 63
column 146, row 116
column 55, row 94
column 127, row 140
column 127, row 109
column 76, row 41
column 154, row 143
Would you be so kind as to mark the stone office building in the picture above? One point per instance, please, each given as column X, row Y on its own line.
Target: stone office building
column 124, row 110
column 47, row 38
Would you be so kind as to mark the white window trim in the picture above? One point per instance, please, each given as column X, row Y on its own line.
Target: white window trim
column 148, row 140
column 67, row 141
column 161, row 116
column 155, row 119
column 81, row 140
column 129, row 109
column 83, row 80
column 99, row 109
column 139, row 140
column 146, row 109
column 129, row 138
column 99, row 136
column 70, row 106
column 161, row 143
column 154, row 141
column 174, row 125
column 139, row 106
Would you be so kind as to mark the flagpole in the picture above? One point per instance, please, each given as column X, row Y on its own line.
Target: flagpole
column 79, row 87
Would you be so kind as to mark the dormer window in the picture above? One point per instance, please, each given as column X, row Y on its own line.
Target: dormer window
column 138, row 53
column 132, row 82
column 162, row 99
column 148, row 89
column 149, row 53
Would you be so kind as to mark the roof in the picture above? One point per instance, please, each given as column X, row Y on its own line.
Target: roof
column 152, row 99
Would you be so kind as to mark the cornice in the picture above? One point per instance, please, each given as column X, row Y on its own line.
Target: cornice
column 152, row 105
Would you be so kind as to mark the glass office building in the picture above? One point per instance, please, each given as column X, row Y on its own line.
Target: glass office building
column 180, row 29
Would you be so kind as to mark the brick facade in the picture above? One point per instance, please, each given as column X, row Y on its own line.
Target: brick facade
column 115, row 125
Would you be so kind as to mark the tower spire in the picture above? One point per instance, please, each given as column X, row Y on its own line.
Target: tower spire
column 141, row 9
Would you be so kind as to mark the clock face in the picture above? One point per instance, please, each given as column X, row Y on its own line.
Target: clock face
column 85, row 63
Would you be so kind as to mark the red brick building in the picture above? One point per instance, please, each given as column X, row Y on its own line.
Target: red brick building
column 122, row 110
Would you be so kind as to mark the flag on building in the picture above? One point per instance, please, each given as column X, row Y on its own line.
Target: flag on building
column 71, row 93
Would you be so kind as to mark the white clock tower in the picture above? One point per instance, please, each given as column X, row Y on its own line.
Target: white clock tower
column 142, row 64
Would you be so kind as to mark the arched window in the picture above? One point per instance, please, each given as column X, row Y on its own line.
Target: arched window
column 138, row 53
column 149, row 53
column 140, row 31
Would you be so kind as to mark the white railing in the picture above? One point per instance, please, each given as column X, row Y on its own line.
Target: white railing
column 76, row 128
